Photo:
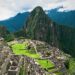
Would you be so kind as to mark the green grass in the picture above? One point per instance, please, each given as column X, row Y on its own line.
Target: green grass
column 72, row 66
column 21, row 49
column 47, row 64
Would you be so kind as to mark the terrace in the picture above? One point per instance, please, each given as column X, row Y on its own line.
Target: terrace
column 22, row 49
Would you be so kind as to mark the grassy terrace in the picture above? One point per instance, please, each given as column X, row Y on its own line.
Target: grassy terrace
column 47, row 64
column 21, row 49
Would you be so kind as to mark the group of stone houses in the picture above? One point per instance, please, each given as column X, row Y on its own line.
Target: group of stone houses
column 20, row 65
column 11, row 64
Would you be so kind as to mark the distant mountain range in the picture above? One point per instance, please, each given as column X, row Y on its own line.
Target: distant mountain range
column 63, row 18
column 15, row 23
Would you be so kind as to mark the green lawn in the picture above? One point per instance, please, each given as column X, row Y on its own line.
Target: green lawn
column 21, row 49
column 47, row 64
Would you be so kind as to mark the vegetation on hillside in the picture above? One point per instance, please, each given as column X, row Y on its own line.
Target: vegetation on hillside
column 6, row 34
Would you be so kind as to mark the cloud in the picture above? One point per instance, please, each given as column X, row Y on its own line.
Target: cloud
column 9, row 8
column 68, row 5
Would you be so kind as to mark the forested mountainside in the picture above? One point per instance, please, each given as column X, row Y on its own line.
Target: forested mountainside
column 40, row 27
column 15, row 23
column 65, row 18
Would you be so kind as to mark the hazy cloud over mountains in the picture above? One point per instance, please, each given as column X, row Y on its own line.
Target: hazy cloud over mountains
column 9, row 8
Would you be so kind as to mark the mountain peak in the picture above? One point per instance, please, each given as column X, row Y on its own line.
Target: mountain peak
column 38, row 9
column 38, row 24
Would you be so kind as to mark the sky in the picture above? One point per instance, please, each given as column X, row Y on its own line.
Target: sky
column 9, row 8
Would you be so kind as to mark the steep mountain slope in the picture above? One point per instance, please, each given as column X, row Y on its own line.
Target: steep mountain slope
column 38, row 26
column 64, row 18
column 15, row 23
column 66, row 39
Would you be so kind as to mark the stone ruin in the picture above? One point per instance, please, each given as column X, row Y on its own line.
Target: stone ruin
column 12, row 70
column 11, row 64
column 32, row 68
